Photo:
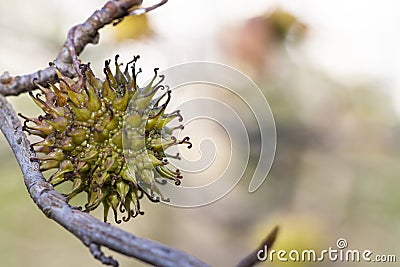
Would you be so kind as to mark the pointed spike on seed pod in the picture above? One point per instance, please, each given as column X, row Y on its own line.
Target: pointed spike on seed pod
column 64, row 86
column 53, row 111
column 185, row 140
column 34, row 132
column 154, row 161
column 49, row 164
column 49, row 95
column 46, row 142
column 165, row 172
column 109, row 75
column 126, row 72
column 67, row 144
column 111, row 163
column 43, row 149
column 122, row 190
column 96, row 197
column 159, row 145
column 149, row 87
column 61, row 98
column 77, row 187
column 133, row 81
column 157, row 111
column 107, row 92
column 168, row 131
column 77, row 183
column 133, row 86
column 120, row 103
column 162, row 122
column 82, row 167
column 79, row 98
column 58, row 177
column 57, row 154
column 59, row 123
column 107, row 178
column 58, row 73
column 133, row 196
column 90, row 156
column 119, row 76
column 169, row 117
column 135, row 210
column 134, row 120
column 176, row 156
column 126, row 206
column 95, row 82
column 113, row 123
column 81, row 114
column 142, row 103
column 128, row 175
column 106, row 209
column 176, row 114
column 151, row 93
column 154, row 121
column 101, row 177
column 114, row 201
column 155, row 194
column 34, row 120
column 90, row 195
column 156, row 101
column 93, row 103
column 42, row 129
column 108, row 117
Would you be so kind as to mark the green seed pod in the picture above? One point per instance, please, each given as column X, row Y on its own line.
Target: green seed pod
column 87, row 125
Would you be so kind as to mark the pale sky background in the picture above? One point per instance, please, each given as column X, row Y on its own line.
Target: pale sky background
column 350, row 40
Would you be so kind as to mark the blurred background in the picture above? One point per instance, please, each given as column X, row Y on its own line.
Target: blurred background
column 330, row 72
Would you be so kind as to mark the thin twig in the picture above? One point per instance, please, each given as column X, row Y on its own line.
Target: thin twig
column 91, row 231
column 83, row 34
column 142, row 10
column 252, row 259
column 20, row 84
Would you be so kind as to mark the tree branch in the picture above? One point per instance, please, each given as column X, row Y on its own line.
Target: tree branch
column 83, row 34
column 91, row 231
column 252, row 259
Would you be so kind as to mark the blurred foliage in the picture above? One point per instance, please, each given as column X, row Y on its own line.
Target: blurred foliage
column 337, row 147
column 132, row 27
column 284, row 24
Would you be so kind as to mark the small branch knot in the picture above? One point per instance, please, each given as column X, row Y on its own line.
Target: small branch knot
column 5, row 78
column 98, row 254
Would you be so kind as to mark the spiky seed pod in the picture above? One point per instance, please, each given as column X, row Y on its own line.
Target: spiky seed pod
column 87, row 125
